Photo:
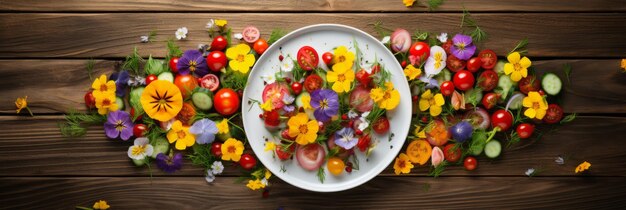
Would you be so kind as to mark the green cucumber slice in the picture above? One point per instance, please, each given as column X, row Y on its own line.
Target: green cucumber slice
column 120, row 103
column 551, row 84
column 499, row 68
column 504, row 84
column 202, row 100
column 493, row 149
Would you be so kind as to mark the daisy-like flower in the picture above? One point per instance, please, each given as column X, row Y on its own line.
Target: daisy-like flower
column 221, row 22
column 161, row 100
column 140, row 149
column 204, row 130
column 402, row 164
column 101, row 205
column 436, row 61
column 169, row 163
column 385, row 40
column 536, row 105
column 118, row 124
column 517, row 68
column 326, row 104
column 432, row 102
column 386, row 97
column 343, row 57
column 210, row 177
column 345, row 138
column 582, row 167
column 268, row 78
column 106, row 103
column 303, row 129
column 462, row 47
column 180, row 134
column 238, row 36
column 210, row 24
column 443, row 37
column 217, row 167
column 530, row 172
column 411, row 72
column 240, row 58
column 232, row 149
column 436, row 157
column 101, row 86
column 144, row 39
column 181, row 33
column 286, row 65
column 192, row 61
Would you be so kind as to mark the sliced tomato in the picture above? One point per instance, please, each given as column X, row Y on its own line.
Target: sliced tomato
column 251, row 34
column 313, row 82
column 307, row 58
column 488, row 58
column 529, row 83
column 275, row 92
column 210, row 81
column 488, row 80
column 454, row 64
column 554, row 114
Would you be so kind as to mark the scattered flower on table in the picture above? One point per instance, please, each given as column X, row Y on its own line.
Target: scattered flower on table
column 411, row 72
column 462, row 47
column 345, row 138
column 582, row 167
column 101, row 205
column 181, row 33
column 210, row 177
column 169, row 163
column 210, row 24
column 144, row 39
column 408, row 3
column 303, row 129
column 517, row 68
column 192, row 61
column 217, row 167
column 536, row 105
column 221, row 22
column 238, row 36
column 402, row 164
column 180, row 134
column 623, row 64
column 385, row 40
column 232, row 149
column 559, row 160
column 530, row 172
column 240, row 58
column 326, row 104
column 119, row 124
column 386, row 97
column 436, row 156
column 22, row 103
column 436, row 62
column 204, row 130
column 255, row 184
column 443, row 37
column 140, row 149
column 431, row 102
column 161, row 100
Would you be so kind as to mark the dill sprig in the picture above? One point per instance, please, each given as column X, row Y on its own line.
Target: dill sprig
column 521, row 47
column 276, row 34
column 89, row 67
column 234, row 80
column 476, row 33
column 434, row 4
column 567, row 68
column 173, row 50
column 321, row 175
column 380, row 30
column 152, row 35
column 75, row 124
column 436, row 171
column 568, row 118
column 133, row 62
column 202, row 156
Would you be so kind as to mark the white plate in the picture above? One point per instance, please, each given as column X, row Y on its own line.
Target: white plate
column 324, row 38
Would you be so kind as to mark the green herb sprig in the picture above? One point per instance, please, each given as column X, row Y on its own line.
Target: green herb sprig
column 476, row 33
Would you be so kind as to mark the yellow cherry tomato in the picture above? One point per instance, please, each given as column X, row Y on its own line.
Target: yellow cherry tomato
column 419, row 151
column 335, row 166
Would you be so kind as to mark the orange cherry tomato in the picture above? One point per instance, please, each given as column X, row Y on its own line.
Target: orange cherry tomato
column 186, row 84
column 335, row 166
column 260, row 46
column 419, row 151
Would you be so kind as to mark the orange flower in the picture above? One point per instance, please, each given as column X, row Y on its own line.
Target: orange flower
column 582, row 167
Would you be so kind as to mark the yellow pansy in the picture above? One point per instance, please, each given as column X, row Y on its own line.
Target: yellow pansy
column 411, row 72
column 343, row 57
column 341, row 76
column 386, row 98
column 303, row 129
column 270, row 146
column 222, row 127
column 255, row 184
column 106, row 103
column 408, row 3
column 101, row 204
column 267, row 106
column 517, row 68
column 232, row 150
column 240, row 58
column 536, row 105
column 220, row 22
column 402, row 164
column 432, row 102
column 161, row 100
column 582, row 167
column 180, row 134
column 101, row 86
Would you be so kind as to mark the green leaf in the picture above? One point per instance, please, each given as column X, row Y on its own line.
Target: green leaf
column 477, row 34
column 321, row 175
column 420, row 35
column 276, row 34
column 133, row 62
column 568, row 118
column 521, row 47
column 90, row 65
column 173, row 50
column 153, row 66
column 436, row 171
column 567, row 68
column 434, row 4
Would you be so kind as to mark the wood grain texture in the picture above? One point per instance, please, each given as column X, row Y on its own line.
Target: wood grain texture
column 55, row 86
column 34, row 147
column 379, row 193
column 310, row 6
column 115, row 34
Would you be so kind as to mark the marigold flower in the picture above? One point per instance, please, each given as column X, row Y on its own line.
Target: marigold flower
column 255, row 184
column 536, row 105
column 240, row 58
column 582, row 167
column 221, row 22
column 387, row 98
column 343, row 57
column 106, row 103
column 303, row 129
column 402, row 164
column 411, row 72
column 517, row 68
column 432, row 102
column 102, row 87
column 232, row 149
column 101, row 204
column 222, row 127
column 269, row 146
column 341, row 76
column 180, row 134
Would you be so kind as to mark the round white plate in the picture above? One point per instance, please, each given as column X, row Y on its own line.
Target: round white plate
column 324, row 38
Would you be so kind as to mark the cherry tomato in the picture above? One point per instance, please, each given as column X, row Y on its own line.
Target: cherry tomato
column 363, row 77
column 488, row 58
column 296, row 87
column 186, row 84
column 247, row 161
column 251, row 34
column 210, row 82
column 174, row 64
column 313, row 82
column 139, row 130
column 488, row 80
column 284, row 154
column 529, row 83
column 446, row 46
column 490, row 100
column 502, row 119
column 454, row 64
column 186, row 114
column 260, row 46
column 90, row 100
column 327, row 57
column 364, row 142
column 219, row 43
column 525, row 130
column 452, row 155
column 150, row 78
column 216, row 149
column 307, row 58
column 420, row 50
column 133, row 116
column 226, row 101
column 216, row 60
column 553, row 114
column 447, row 88
column 381, row 126
column 271, row 118
column 473, row 64
column 463, row 80
column 470, row 163
column 335, row 166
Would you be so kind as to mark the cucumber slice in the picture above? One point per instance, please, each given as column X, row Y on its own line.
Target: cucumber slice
column 120, row 103
column 515, row 102
column 168, row 76
column 299, row 102
column 160, row 145
column 505, row 84
column 551, row 84
column 135, row 96
column 139, row 162
column 493, row 149
column 202, row 100
column 443, row 76
column 499, row 68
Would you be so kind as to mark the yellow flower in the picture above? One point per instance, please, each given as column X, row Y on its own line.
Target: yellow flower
column 222, row 127
column 240, row 59
column 434, row 103
column 306, row 101
column 161, row 100
column 408, row 3
column 101, row 204
column 387, row 98
column 220, row 22
column 537, row 105
column 411, row 72
column 342, row 76
column 270, row 146
column 304, row 130
column 517, row 68
column 21, row 103
column 180, row 134
column 343, row 57
column 255, row 185
column 106, row 103
column 268, row 174
column 402, row 164
column 582, row 167
column 623, row 64
column 267, row 106
column 101, row 87
column 419, row 132
column 232, row 150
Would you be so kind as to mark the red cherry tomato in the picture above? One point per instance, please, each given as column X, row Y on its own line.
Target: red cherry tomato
column 502, row 119
column 490, row 100
column 376, row 69
column 420, row 50
column 473, row 64
column 174, row 64
column 296, row 87
column 381, row 126
column 226, row 101
column 463, row 80
column 285, row 154
column 260, row 46
column 251, row 34
column 470, row 163
column 446, row 46
column 307, row 58
column 216, row 60
column 363, row 77
column 364, row 142
column 271, row 118
column 488, row 58
column 488, row 80
column 529, row 83
column 447, row 88
column 150, row 78
column 452, row 155
column 327, row 57
column 186, row 84
column 454, row 64
column 209, row 81
column 90, row 100
column 133, row 115
column 525, row 130
column 553, row 114
column 219, row 43
column 216, row 149
column 247, row 161
column 313, row 82
column 139, row 130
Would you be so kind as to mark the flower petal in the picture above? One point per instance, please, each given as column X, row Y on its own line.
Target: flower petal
column 513, row 57
column 424, row 105
column 435, row 110
column 530, row 113
column 439, row 101
column 525, row 62
column 508, row 68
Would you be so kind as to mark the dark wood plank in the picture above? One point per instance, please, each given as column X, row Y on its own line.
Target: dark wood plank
column 55, row 86
column 316, row 6
column 379, row 193
column 115, row 34
column 34, row 147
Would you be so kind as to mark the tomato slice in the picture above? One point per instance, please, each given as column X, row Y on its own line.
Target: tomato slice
column 488, row 80
column 210, row 81
column 553, row 114
column 529, row 83
column 313, row 82
column 251, row 34
column 452, row 155
column 186, row 114
column 419, row 151
column 307, row 58
column 275, row 92
column 489, row 59
column 454, row 64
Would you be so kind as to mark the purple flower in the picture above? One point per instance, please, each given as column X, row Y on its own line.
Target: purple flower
column 204, row 130
column 345, row 138
column 462, row 47
column 326, row 104
column 121, row 80
column 118, row 122
column 169, row 164
column 192, row 61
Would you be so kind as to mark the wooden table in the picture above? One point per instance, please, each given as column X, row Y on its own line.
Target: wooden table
column 44, row 46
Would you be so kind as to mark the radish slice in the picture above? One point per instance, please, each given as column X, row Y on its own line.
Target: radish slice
column 515, row 102
column 310, row 156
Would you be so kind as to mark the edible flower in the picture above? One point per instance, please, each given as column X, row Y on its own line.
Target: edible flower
column 536, row 105
column 222, row 127
column 443, row 37
column 140, row 149
column 181, row 33
column 255, row 184
column 419, row 132
column 517, row 68
column 343, row 57
column 432, row 102
column 106, row 104
column 303, row 129
column 21, row 103
column 232, row 149
column 436, row 157
column 306, row 102
column 582, row 167
column 462, row 47
column 161, row 100
column 530, row 172
column 345, row 138
column 102, row 87
column 121, row 81
column 169, row 163
column 220, row 22
column 217, row 167
column 623, row 64
column 436, row 61
column 326, row 104
column 192, row 61
column 408, row 3
column 118, row 124
column 402, row 164
column 341, row 76
column 180, row 134
column 240, row 58
column 204, row 130
column 267, row 106
column 411, row 72
column 269, row 146
column 386, row 97
column 101, row 205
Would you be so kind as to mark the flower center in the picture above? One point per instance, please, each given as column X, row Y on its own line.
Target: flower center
column 241, row 58
column 432, row 102
column 103, row 87
column 342, row 58
column 438, row 60
column 387, row 95
column 341, row 78
column 461, row 46
column 138, row 150
column 536, row 105
column 169, row 161
column 106, row 102
column 119, row 125
column 303, row 129
column 323, row 103
column 192, row 65
column 161, row 102
column 232, row 149
column 181, row 134
column 517, row 66
column 402, row 164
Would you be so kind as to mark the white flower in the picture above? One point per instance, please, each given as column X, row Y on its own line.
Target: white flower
column 268, row 78
column 559, row 160
column 210, row 177
column 181, row 33
column 352, row 114
column 287, row 64
column 201, row 46
column 217, row 167
column 530, row 172
column 436, row 61
column 210, row 24
column 443, row 37
column 385, row 40
column 144, row 39
column 364, row 122
column 140, row 149
column 265, row 182
column 238, row 36
column 288, row 99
